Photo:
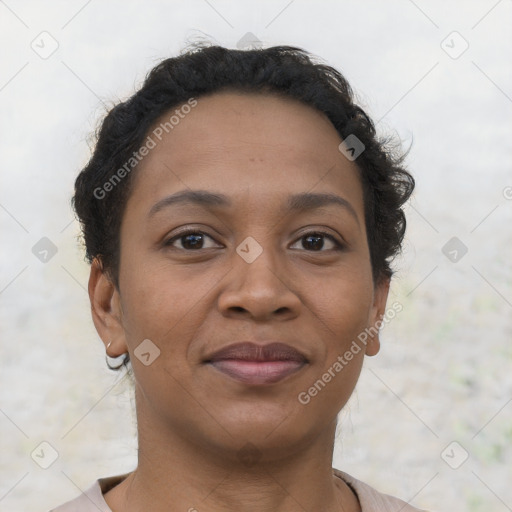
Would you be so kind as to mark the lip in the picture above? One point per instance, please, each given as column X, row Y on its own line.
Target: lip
column 255, row 364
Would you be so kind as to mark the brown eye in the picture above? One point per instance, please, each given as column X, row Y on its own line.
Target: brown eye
column 191, row 240
column 314, row 241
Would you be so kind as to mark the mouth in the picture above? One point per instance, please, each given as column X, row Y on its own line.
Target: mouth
column 254, row 364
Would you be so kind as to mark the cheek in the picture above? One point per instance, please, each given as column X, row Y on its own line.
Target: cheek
column 342, row 314
column 344, row 304
column 144, row 305
column 163, row 303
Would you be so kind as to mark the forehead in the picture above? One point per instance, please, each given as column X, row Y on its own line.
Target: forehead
column 260, row 142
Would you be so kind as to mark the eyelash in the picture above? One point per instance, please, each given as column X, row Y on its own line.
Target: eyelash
column 338, row 245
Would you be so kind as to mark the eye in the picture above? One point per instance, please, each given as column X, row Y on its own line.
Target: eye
column 191, row 240
column 314, row 241
column 194, row 240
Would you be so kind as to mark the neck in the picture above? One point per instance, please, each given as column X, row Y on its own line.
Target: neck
column 174, row 474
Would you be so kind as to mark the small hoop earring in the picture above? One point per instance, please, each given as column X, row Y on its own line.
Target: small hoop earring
column 123, row 358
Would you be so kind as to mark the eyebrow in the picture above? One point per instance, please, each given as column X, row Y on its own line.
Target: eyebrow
column 297, row 202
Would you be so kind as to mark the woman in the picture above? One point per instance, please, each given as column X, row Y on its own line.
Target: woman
column 240, row 215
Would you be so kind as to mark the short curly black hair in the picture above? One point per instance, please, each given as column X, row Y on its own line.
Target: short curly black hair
column 205, row 69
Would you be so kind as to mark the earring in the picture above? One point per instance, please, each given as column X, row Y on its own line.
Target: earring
column 118, row 361
column 122, row 359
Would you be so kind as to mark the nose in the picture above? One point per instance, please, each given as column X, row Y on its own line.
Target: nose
column 259, row 290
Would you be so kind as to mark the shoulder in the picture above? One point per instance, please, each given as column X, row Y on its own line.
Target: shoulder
column 92, row 500
column 372, row 500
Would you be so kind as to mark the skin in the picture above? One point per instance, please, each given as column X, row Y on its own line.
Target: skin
column 192, row 420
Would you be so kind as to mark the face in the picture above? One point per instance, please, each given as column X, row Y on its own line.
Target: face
column 263, row 263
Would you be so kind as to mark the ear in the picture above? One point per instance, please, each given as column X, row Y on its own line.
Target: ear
column 380, row 297
column 106, row 310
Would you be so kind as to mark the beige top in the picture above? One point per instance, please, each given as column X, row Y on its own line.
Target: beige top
column 91, row 500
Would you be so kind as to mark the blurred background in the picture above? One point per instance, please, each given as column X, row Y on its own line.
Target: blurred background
column 431, row 418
